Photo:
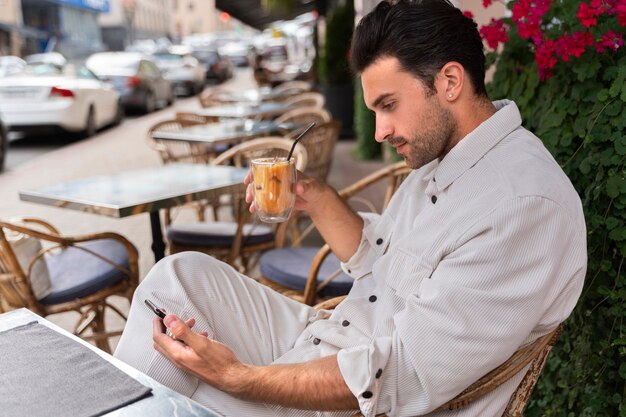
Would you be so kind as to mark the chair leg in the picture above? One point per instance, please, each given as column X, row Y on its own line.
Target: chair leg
column 102, row 340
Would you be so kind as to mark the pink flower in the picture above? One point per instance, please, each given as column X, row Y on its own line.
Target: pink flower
column 610, row 40
column 487, row 3
column 545, row 59
column 468, row 14
column 586, row 15
column 494, row 33
column 620, row 9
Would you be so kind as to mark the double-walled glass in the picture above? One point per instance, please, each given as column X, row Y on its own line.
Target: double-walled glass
column 274, row 182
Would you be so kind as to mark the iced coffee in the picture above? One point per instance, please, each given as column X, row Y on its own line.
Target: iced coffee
column 274, row 181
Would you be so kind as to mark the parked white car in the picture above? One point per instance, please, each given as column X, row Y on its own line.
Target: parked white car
column 179, row 66
column 46, row 96
column 10, row 65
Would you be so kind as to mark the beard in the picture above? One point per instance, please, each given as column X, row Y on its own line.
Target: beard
column 432, row 142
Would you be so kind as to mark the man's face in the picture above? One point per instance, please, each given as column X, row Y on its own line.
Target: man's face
column 408, row 115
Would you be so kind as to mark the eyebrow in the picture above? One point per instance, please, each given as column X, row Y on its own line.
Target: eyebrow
column 380, row 98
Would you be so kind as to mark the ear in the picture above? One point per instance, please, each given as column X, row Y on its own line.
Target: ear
column 450, row 81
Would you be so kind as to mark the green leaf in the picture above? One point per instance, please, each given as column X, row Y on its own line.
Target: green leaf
column 613, row 186
column 603, row 95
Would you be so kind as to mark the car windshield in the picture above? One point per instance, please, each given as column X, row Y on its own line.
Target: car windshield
column 44, row 69
column 166, row 57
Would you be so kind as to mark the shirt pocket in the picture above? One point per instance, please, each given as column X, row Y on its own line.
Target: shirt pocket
column 406, row 273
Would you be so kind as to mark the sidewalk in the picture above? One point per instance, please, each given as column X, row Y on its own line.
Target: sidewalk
column 123, row 148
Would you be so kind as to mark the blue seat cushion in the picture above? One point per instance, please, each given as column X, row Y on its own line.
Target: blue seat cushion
column 290, row 268
column 75, row 273
column 217, row 234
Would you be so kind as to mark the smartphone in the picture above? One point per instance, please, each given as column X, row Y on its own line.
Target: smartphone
column 158, row 311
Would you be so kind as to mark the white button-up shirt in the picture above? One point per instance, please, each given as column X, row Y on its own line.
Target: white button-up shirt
column 477, row 255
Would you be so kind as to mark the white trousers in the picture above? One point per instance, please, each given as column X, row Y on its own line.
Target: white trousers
column 257, row 323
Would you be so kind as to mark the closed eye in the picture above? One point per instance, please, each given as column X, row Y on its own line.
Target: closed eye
column 388, row 106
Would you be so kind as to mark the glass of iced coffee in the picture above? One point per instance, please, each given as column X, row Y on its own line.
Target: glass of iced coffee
column 274, row 181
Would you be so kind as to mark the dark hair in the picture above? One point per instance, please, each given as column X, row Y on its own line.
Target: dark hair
column 423, row 35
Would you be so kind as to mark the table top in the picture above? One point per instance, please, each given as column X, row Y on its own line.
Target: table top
column 265, row 109
column 163, row 402
column 252, row 96
column 227, row 131
column 141, row 191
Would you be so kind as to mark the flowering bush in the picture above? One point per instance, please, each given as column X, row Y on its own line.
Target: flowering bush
column 553, row 37
column 564, row 63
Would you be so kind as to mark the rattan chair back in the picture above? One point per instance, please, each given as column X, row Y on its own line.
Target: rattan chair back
column 308, row 99
column 195, row 117
column 15, row 283
column 304, row 116
column 320, row 144
column 176, row 150
column 293, row 87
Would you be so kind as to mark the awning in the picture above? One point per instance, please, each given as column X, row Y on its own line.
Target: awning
column 251, row 13
column 27, row 31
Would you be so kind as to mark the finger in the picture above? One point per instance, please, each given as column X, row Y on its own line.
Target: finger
column 205, row 334
column 180, row 330
column 190, row 323
column 248, row 178
column 250, row 193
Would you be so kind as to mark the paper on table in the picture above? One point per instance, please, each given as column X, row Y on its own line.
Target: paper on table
column 44, row 373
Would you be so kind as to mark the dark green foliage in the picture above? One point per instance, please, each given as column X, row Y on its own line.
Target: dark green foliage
column 580, row 115
column 364, row 126
column 334, row 68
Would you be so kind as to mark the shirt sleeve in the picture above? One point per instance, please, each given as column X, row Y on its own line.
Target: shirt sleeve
column 360, row 264
column 510, row 278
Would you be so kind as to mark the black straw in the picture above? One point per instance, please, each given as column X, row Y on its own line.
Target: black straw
column 297, row 139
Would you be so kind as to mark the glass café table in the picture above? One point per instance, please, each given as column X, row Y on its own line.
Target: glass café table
column 142, row 191
column 227, row 131
column 162, row 402
column 246, row 111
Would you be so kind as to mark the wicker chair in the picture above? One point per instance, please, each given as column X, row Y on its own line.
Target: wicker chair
column 237, row 242
column 293, row 87
column 533, row 355
column 311, row 274
column 320, row 144
column 303, row 116
column 208, row 98
column 308, row 99
column 84, row 271
column 177, row 150
column 195, row 117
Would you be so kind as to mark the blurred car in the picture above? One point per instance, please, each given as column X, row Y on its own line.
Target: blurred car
column 45, row 96
column 136, row 77
column 180, row 67
column 218, row 68
column 51, row 58
column 240, row 53
column 10, row 65
column 4, row 145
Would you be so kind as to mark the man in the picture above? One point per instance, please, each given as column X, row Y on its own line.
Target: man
column 481, row 251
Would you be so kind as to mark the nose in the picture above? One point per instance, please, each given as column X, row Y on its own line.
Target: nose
column 383, row 129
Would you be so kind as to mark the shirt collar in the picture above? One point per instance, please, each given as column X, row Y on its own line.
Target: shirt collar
column 477, row 143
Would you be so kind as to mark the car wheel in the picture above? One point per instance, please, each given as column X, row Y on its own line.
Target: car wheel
column 119, row 115
column 171, row 98
column 150, row 104
column 90, row 124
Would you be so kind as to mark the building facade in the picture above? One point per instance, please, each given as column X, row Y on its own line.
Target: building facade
column 132, row 20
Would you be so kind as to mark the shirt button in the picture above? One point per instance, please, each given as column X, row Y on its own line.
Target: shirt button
column 367, row 394
column 316, row 341
column 379, row 373
column 433, row 199
column 349, row 271
column 434, row 179
column 345, row 323
column 379, row 241
column 372, row 298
